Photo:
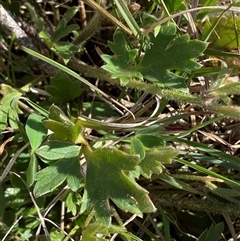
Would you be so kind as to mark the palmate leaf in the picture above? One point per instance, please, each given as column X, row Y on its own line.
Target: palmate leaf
column 121, row 65
column 165, row 52
column 107, row 179
column 63, row 89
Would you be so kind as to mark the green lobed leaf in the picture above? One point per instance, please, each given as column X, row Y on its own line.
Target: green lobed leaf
column 51, row 177
column 121, row 65
column 73, row 201
column 62, row 29
column 167, row 52
column 36, row 131
column 63, row 89
column 65, row 50
column 152, row 163
column 107, row 178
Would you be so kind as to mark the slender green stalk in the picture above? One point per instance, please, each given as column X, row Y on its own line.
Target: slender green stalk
column 132, row 24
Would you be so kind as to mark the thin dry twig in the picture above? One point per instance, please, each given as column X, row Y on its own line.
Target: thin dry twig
column 11, row 27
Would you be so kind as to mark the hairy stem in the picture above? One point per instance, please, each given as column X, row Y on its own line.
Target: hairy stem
column 182, row 203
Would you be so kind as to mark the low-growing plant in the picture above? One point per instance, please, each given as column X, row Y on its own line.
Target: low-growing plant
column 143, row 156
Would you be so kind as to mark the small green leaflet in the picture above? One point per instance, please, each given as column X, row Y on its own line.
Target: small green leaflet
column 65, row 50
column 63, row 29
column 55, row 150
column 164, row 53
column 154, row 160
column 107, row 178
column 73, row 201
column 213, row 233
column 63, row 89
column 36, row 132
column 121, row 65
column 63, row 128
column 67, row 168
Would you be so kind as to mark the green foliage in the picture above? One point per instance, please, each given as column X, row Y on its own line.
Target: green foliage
column 115, row 156
column 63, row 29
column 55, row 150
column 164, row 52
column 66, row 168
column 35, row 130
column 64, row 49
column 226, row 32
column 92, row 231
column 109, row 168
column 122, row 65
column 213, row 233
column 154, row 160
column 62, row 127
column 9, row 107
column 73, row 200
column 174, row 6
column 62, row 89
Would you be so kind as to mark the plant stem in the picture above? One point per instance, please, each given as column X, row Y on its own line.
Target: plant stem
column 169, row 94
column 92, row 27
column 209, row 206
